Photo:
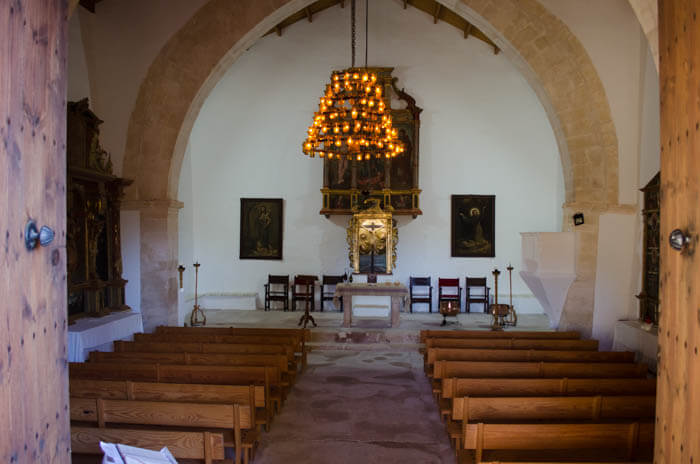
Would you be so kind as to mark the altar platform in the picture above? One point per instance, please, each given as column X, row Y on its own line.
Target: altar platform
column 366, row 333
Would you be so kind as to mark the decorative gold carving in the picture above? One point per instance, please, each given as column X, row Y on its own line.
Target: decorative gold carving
column 372, row 237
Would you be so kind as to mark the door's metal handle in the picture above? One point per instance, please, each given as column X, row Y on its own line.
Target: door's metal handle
column 34, row 236
column 678, row 240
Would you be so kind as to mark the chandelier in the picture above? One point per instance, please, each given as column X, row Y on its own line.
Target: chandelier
column 353, row 120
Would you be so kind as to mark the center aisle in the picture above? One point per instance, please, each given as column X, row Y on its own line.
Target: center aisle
column 358, row 406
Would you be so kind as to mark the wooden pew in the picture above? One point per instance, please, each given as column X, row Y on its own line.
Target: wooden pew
column 198, row 347
column 476, row 369
column 189, row 393
column 525, row 408
column 547, row 408
column 468, row 354
column 234, row 418
column 204, row 359
column 454, row 387
column 594, row 437
column 512, row 344
column 205, row 446
column 177, row 373
column 426, row 334
column 304, row 334
column 287, row 340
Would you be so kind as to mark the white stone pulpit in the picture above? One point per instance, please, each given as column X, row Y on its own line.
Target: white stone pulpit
column 549, row 269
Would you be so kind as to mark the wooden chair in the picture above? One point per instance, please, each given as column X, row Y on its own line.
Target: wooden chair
column 304, row 289
column 328, row 283
column 449, row 290
column 277, row 289
column 421, row 292
column 476, row 292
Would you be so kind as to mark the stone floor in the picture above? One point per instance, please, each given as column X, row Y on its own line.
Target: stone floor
column 358, row 406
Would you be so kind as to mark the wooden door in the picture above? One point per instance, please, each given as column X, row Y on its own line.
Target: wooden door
column 678, row 403
column 34, row 413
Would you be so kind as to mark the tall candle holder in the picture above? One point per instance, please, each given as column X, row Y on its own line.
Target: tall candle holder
column 512, row 315
column 197, row 311
column 498, row 311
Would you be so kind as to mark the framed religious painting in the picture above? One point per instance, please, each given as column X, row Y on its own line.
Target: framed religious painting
column 473, row 226
column 261, row 228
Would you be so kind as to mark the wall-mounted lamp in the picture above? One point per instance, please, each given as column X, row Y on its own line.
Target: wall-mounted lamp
column 578, row 219
column 181, row 269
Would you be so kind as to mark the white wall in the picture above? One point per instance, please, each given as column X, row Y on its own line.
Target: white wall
column 78, row 76
column 483, row 132
column 186, row 236
column 121, row 40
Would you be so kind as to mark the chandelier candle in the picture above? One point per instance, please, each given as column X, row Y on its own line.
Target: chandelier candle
column 353, row 120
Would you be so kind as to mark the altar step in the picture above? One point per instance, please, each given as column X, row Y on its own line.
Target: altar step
column 369, row 339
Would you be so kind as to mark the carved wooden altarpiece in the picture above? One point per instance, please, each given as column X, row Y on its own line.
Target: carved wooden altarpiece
column 394, row 182
column 95, row 283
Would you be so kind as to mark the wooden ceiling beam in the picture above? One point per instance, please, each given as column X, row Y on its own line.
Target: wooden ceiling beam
column 496, row 50
column 468, row 30
column 278, row 29
column 309, row 15
column 436, row 15
column 405, row 4
column 342, row 3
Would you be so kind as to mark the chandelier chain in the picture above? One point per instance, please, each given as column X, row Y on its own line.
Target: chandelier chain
column 352, row 30
column 366, row 29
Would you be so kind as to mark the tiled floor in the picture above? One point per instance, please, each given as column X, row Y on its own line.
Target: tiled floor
column 358, row 406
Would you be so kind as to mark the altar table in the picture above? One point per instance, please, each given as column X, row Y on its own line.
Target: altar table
column 397, row 292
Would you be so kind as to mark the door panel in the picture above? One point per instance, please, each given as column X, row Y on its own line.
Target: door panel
column 33, row 368
column 678, row 402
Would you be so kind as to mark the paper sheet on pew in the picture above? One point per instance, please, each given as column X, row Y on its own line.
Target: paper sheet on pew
column 115, row 453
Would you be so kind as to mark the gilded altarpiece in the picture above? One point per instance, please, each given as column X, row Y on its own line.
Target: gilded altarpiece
column 95, row 283
column 393, row 182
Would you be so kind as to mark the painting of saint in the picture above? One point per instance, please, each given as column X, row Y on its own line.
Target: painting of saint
column 401, row 169
column 261, row 228
column 371, row 174
column 473, row 226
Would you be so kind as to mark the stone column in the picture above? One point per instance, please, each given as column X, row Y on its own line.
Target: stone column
column 158, row 259
column 580, row 300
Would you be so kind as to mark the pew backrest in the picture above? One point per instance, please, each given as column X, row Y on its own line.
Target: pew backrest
column 489, row 409
column 476, row 369
column 154, row 391
column 512, row 344
column 247, row 339
column 629, row 436
column 470, row 354
column 204, row 359
column 198, row 347
column 303, row 334
column 532, row 334
column 183, row 445
column 455, row 387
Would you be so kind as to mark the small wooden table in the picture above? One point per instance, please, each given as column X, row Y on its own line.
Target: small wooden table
column 397, row 292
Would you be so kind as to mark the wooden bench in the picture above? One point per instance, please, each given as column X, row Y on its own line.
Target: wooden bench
column 204, row 446
column 512, row 344
column 547, row 408
column 426, row 334
column 189, row 393
column 204, row 359
column 197, row 347
column 304, row 334
column 233, row 418
column 177, row 373
column 477, row 369
column 454, row 387
column 594, row 437
column 468, row 354
column 285, row 340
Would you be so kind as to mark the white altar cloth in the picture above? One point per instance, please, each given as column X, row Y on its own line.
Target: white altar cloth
column 89, row 333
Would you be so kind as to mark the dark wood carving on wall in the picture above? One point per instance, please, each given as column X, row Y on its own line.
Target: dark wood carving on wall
column 649, row 297
column 95, row 283
column 394, row 182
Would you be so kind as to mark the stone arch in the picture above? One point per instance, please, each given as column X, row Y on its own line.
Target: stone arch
column 189, row 65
